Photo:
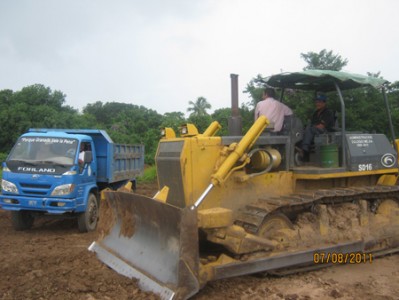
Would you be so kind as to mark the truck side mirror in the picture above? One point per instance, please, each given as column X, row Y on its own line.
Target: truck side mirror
column 88, row 157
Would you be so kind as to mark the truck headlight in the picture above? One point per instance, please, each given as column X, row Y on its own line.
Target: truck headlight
column 72, row 172
column 9, row 186
column 64, row 189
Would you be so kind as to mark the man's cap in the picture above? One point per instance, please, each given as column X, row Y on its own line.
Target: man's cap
column 321, row 97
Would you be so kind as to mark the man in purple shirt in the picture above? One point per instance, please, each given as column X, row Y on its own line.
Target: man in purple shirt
column 272, row 109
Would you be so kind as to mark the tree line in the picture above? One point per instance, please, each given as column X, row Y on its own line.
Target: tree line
column 37, row 106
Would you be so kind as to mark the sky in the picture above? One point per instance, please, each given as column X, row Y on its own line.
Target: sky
column 161, row 54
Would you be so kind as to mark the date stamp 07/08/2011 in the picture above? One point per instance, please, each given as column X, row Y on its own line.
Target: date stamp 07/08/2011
column 342, row 258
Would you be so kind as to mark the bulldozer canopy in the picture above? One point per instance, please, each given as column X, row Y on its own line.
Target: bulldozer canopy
column 322, row 80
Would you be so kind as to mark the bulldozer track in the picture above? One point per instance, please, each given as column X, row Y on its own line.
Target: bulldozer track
column 252, row 216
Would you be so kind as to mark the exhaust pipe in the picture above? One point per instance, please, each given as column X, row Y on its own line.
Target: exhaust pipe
column 235, row 120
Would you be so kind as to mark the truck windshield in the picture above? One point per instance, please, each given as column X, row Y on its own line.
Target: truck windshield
column 44, row 150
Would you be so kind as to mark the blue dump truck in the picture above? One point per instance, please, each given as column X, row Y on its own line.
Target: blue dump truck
column 62, row 172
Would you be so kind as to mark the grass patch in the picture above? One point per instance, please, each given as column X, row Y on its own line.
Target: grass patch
column 150, row 175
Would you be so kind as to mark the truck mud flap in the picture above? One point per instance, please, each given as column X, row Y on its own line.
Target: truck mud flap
column 151, row 241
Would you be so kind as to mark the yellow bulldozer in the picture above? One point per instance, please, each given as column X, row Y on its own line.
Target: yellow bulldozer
column 234, row 205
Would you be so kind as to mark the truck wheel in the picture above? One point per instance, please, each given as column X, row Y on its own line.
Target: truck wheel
column 22, row 220
column 87, row 221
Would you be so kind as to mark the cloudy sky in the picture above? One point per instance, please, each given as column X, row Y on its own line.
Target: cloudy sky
column 163, row 53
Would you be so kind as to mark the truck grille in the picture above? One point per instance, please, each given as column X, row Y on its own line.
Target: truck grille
column 35, row 189
column 35, row 186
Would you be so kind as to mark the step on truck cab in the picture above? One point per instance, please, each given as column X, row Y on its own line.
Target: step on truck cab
column 61, row 172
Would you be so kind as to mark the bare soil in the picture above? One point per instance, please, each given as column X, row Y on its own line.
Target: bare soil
column 51, row 261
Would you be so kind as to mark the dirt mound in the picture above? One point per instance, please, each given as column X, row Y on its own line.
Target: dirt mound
column 51, row 261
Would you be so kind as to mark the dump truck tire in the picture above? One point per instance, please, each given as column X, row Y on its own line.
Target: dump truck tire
column 87, row 221
column 22, row 220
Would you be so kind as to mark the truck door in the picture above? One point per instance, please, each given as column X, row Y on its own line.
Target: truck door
column 87, row 166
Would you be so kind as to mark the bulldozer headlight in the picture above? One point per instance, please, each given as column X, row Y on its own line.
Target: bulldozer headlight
column 168, row 133
column 188, row 130
column 62, row 190
column 9, row 187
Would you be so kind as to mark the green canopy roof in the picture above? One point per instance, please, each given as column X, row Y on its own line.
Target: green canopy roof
column 322, row 80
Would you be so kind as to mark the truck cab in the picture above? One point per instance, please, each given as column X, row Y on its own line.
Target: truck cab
column 61, row 172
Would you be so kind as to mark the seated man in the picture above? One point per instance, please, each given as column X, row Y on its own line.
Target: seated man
column 272, row 109
column 322, row 122
column 81, row 154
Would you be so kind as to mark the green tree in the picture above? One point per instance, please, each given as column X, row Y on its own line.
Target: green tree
column 361, row 112
column 38, row 95
column 173, row 120
column 393, row 96
column 324, row 60
column 105, row 113
column 222, row 116
column 33, row 106
column 199, row 107
column 301, row 101
column 247, row 114
column 199, row 115
column 128, row 123
column 201, row 122
column 255, row 90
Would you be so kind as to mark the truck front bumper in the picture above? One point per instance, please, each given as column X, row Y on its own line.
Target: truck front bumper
column 47, row 205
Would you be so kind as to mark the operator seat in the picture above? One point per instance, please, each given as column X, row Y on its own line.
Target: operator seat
column 292, row 127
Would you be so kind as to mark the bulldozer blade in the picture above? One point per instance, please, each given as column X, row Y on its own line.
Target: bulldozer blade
column 152, row 241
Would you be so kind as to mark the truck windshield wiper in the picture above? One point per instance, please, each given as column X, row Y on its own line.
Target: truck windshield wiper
column 52, row 162
column 30, row 163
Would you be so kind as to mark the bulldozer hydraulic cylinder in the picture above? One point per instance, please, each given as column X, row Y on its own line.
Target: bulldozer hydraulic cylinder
column 246, row 142
column 202, row 197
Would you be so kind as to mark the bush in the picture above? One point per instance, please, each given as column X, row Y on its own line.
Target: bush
column 150, row 174
column 3, row 157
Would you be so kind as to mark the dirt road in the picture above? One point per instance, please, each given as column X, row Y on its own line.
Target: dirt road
column 51, row 261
